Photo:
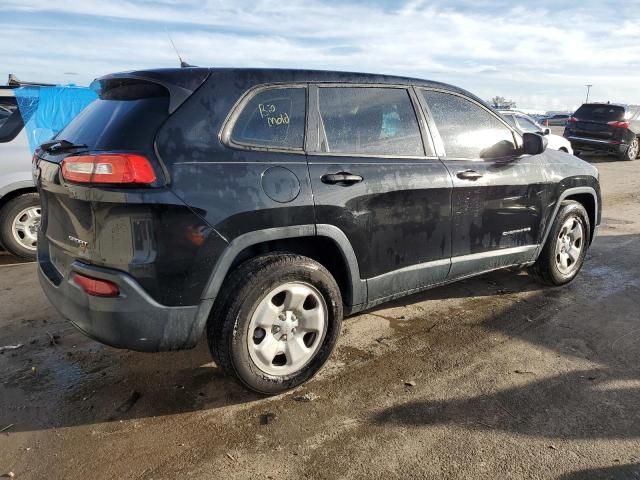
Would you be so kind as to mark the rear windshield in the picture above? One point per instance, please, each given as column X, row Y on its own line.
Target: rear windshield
column 125, row 117
column 604, row 113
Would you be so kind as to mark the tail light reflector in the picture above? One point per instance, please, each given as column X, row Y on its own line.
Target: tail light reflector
column 622, row 124
column 572, row 120
column 112, row 168
column 95, row 286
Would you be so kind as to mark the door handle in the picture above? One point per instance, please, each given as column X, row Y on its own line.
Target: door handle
column 342, row 178
column 469, row 175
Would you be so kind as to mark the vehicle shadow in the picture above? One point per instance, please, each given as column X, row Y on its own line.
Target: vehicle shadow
column 79, row 382
column 592, row 328
column 619, row 472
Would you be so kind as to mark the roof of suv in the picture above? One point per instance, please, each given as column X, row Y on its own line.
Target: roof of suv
column 184, row 76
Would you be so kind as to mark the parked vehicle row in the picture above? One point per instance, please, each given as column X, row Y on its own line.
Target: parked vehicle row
column 262, row 205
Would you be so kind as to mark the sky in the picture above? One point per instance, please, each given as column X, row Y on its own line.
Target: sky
column 539, row 54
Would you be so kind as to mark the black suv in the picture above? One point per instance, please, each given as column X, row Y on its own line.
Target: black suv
column 262, row 205
column 605, row 127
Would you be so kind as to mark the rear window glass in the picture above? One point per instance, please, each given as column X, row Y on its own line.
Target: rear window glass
column 273, row 118
column 606, row 113
column 118, row 124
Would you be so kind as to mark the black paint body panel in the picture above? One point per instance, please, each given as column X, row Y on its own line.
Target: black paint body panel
column 411, row 223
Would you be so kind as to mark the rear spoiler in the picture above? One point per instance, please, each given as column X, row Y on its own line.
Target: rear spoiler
column 179, row 82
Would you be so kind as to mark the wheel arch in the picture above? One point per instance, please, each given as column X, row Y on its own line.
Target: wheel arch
column 326, row 244
column 15, row 191
column 587, row 197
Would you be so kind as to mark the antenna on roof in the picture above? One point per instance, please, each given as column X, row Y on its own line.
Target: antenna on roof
column 183, row 64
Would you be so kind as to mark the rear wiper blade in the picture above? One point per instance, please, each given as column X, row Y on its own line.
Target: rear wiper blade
column 61, row 146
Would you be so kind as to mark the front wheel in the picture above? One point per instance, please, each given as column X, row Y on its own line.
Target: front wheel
column 19, row 224
column 563, row 253
column 276, row 322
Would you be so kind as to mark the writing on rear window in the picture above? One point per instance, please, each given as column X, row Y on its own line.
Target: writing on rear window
column 273, row 118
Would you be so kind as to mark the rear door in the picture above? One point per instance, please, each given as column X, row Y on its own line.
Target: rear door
column 375, row 176
column 498, row 196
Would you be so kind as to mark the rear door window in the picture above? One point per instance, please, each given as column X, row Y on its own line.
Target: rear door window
column 368, row 121
column 468, row 131
column 272, row 118
column 10, row 119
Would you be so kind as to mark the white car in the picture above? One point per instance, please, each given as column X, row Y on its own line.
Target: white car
column 525, row 123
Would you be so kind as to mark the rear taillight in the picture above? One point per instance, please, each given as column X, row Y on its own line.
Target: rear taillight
column 95, row 286
column 112, row 168
column 622, row 124
column 572, row 120
column 545, row 122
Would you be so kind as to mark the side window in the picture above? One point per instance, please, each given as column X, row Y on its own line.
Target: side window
column 273, row 118
column 10, row 119
column 466, row 129
column 510, row 120
column 527, row 125
column 368, row 120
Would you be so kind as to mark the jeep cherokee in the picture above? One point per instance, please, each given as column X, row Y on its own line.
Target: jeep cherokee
column 260, row 206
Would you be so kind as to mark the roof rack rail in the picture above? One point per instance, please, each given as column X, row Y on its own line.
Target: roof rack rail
column 16, row 82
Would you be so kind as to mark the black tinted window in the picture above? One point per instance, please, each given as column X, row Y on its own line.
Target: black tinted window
column 467, row 130
column 273, row 118
column 363, row 120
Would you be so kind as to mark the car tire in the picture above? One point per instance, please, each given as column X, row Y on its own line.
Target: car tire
column 19, row 221
column 276, row 322
column 566, row 247
column 632, row 151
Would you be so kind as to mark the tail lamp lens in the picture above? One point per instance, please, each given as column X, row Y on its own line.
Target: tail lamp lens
column 572, row 120
column 95, row 286
column 622, row 124
column 112, row 168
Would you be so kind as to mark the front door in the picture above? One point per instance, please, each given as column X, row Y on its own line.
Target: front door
column 373, row 179
column 498, row 194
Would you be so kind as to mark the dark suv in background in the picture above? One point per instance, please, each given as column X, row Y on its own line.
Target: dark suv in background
column 261, row 205
column 605, row 127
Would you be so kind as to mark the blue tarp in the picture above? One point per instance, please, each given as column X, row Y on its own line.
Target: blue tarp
column 47, row 110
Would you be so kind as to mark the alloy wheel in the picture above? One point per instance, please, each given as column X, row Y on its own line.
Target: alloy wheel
column 25, row 227
column 287, row 328
column 569, row 245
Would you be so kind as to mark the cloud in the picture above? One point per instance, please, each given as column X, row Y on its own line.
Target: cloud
column 542, row 54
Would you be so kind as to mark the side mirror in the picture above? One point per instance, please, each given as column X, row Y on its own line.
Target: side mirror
column 533, row 143
column 547, row 131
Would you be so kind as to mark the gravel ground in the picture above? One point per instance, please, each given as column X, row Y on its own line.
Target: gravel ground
column 492, row 377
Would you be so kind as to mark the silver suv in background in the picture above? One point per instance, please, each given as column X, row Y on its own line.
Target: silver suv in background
column 19, row 204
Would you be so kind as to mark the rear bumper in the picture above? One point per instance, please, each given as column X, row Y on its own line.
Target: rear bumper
column 585, row 143
column 133, row 320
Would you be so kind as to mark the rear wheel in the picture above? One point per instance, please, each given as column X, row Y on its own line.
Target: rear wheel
column 632, row 152
column 19, row 224
column 276, row 323
column 563, row 253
